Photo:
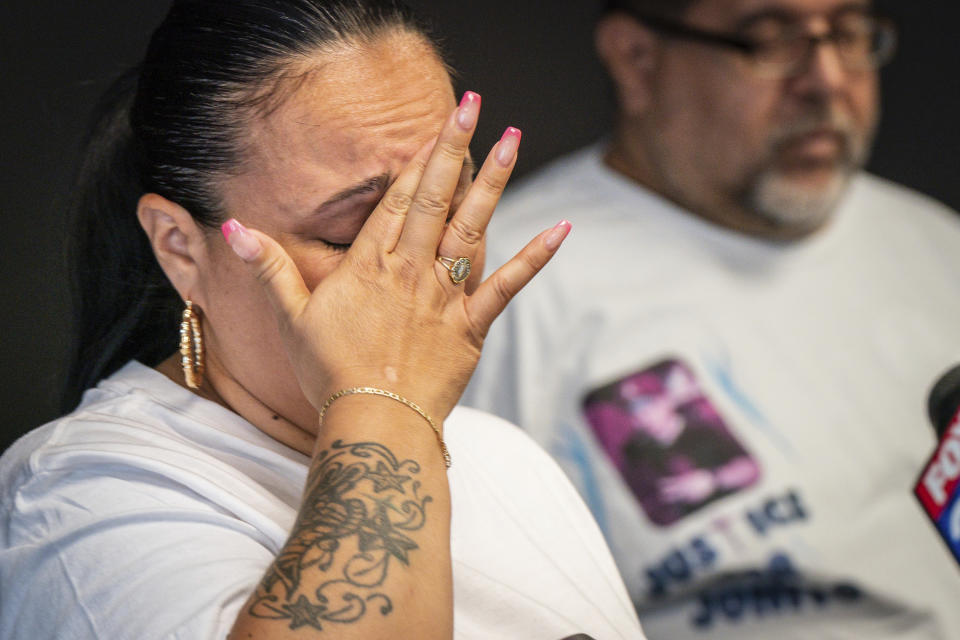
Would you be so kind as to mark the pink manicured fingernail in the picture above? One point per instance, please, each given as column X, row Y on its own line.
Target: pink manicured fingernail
column 556, row 235
column 508, row 145
column 469, row 110
column 243, row 243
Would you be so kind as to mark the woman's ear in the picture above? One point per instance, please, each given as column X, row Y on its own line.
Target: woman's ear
column 176, row 239
column 628, row 50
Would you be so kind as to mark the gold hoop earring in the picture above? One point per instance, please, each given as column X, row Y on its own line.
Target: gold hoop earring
column 191, row 347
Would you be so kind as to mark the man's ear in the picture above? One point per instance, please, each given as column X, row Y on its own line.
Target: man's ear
column 629, row 51
column 176, row 239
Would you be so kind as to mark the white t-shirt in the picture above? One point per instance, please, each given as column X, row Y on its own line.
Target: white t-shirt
column 745, row 419
column 152, row 513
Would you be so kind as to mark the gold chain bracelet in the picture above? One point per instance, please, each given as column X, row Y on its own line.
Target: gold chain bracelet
column 393, row 396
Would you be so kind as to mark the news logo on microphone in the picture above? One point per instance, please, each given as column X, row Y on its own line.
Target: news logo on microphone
column 937, row 487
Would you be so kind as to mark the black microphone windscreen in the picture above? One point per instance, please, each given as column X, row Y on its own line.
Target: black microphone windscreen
column 944, row 400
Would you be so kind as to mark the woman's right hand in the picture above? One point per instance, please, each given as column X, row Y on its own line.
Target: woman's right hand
column 389, row 315
column 372, row 536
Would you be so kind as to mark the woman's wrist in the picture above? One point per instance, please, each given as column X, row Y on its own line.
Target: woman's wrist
column 383, row 393
column 435, row 396
column 381, row 419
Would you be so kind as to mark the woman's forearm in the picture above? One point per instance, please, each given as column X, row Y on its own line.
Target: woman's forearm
column 369, row 554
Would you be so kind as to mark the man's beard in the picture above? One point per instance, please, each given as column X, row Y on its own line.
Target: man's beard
column 788, row 203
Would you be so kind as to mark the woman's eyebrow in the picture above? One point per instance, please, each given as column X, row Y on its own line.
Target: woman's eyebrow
column 370, row 185
column 374, row 185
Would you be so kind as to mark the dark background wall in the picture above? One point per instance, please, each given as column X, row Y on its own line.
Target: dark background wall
column 532, row 62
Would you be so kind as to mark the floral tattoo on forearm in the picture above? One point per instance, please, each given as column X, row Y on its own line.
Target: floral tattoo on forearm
column 359, row 503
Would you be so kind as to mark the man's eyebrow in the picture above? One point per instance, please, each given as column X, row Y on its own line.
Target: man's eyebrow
column 769, row 13
column 376, row 184
column 786, row 15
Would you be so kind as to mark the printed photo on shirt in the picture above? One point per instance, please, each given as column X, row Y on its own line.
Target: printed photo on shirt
column 668, row 441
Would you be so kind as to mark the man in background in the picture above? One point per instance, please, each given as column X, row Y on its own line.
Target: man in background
column 730, row 357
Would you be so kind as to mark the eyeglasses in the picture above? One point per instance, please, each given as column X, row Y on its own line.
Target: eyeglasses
column 863, row 41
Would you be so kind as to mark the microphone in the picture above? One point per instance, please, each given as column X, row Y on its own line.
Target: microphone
column 938, row 488
column 944, row 400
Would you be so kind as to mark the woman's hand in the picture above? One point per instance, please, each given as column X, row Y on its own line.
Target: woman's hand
column 390, row 315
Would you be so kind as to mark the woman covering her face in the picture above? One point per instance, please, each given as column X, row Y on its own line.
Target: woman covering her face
column 263, row 450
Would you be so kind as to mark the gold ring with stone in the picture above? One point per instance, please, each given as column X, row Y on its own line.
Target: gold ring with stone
column 458, row 268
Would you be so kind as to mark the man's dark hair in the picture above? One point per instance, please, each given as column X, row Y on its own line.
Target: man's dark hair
column 174, row 126
column 664, row 8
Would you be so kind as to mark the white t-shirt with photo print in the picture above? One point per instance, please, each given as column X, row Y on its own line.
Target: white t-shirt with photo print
column 745, row 419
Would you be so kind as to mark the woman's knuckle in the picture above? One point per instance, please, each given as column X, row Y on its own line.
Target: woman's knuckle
column 532, row 261
column 396, row 203
column 492, row 184
column 367, row 263
column 451, row 150
column 502, row 289
column 408, row 273
column 432, row 204
column 465, row 233
column 269, row 269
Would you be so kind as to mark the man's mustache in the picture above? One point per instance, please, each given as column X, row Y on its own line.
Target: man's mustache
column 831, row 122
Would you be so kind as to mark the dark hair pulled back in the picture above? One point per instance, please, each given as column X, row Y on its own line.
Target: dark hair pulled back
column 174, row 126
